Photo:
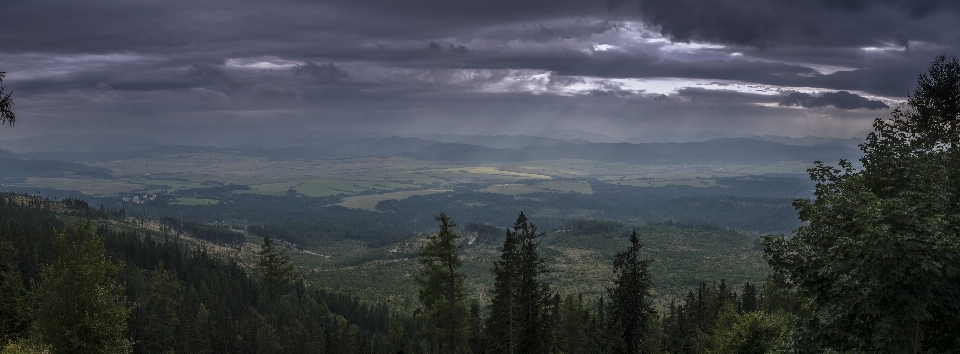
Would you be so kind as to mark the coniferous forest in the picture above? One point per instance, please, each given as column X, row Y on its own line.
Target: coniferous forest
column 874, row 267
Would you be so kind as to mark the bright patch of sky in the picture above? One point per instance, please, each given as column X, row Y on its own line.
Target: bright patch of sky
column 260, row 63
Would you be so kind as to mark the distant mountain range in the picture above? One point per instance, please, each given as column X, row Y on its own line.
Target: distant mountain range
column 726, row 151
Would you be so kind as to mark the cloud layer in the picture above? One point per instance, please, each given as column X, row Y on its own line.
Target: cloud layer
column 618, row 67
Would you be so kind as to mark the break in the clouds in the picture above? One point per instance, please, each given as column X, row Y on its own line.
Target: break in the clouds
column 619, row 67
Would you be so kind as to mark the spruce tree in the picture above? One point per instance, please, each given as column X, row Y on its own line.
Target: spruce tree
column 502, row 322
column 276, row 270
column 630, row 308
column 519, row 319
column 442, row 292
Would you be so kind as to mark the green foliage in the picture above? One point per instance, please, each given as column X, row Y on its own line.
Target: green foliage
column 573, row 331
column 878, row 262
column 217, row 306
column 749, row 332
column 689, row 326
column 80, row 303
column 629, row 311
column 276, row 270
column 15, row 307
column 442, row 293
column 24, row 347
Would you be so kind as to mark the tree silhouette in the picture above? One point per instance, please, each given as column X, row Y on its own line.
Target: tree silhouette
column 442, row 292
column 6, row 112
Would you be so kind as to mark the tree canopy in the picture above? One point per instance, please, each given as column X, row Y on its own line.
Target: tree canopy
column 442, row 289
column 878, row 260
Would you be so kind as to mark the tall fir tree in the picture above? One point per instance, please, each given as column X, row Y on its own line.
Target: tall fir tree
column 630, row 308
column 276, row 270
column 519, row 319
column 502, row 324
column 442, row 290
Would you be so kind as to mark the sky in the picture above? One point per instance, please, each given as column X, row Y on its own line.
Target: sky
column 188, row 70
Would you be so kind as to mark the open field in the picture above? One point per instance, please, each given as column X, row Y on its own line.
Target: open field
column 369, row 202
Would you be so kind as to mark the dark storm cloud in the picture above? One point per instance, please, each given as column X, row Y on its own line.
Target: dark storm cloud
column 765, row 23
column 387, row 32
column 324, row 73
column 839, row 99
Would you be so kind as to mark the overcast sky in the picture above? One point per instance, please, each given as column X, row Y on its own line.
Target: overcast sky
column 624, row 68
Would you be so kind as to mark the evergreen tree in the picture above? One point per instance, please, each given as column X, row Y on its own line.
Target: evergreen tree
column 519, row 319
column 476, row 327
column 276, row 270
column 534, row 292
column 502, row 323
column 630, row 308
column 442, row 291
column 81, row 307
column 748, row 302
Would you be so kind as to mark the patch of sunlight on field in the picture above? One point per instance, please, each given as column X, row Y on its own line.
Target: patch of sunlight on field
column 195, row 201
column 369, row 202
column 88, row 186
column 489, row 170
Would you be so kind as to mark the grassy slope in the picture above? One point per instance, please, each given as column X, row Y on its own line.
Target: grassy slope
column 681, row 258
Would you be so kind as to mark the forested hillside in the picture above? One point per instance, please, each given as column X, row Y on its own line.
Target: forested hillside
column 172, row 297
